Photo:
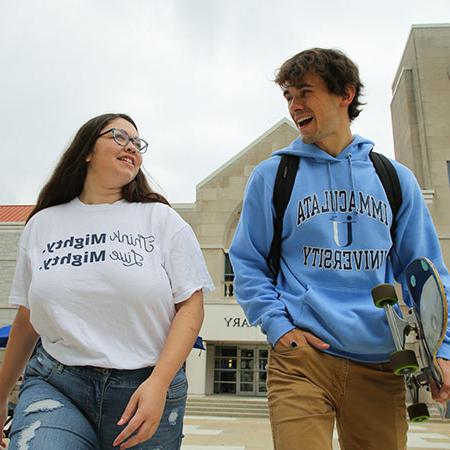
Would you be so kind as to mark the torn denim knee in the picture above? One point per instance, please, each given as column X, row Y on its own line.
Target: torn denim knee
column 27, row 435
column 42, row 406
column 173, row 416
column 29, row 432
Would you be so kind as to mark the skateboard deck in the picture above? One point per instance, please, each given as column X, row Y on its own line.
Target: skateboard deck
column 427, row 319
column 430, row 304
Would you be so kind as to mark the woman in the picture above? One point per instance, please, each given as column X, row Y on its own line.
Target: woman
column 110, row 279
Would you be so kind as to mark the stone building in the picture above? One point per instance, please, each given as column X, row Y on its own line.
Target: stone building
column 236, row 355
column 11, row 224
column 420, row 111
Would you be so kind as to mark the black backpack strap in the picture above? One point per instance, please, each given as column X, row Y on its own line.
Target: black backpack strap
column 284, row 182
column 391, row 184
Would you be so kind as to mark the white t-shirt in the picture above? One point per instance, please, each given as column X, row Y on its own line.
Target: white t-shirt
column 102, row 281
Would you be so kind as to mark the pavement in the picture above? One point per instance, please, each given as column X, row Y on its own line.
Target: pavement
column 231, row 433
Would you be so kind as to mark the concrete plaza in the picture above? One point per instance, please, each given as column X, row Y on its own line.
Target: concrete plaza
column 231, row 433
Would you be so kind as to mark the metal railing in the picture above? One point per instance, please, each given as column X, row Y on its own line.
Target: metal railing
column 228, row 289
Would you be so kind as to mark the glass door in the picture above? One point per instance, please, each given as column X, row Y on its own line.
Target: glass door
column 263, row 354
column 246, row 364
column 225, row 370
column 240, row 370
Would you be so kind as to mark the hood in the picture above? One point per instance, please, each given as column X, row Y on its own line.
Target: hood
column 359, row 150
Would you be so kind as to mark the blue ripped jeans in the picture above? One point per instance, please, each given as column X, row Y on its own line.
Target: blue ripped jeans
column 77, row 408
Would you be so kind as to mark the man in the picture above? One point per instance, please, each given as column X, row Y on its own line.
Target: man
column 330, row 344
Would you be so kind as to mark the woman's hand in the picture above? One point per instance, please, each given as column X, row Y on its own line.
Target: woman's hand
column 146, row 406
column 143, row 414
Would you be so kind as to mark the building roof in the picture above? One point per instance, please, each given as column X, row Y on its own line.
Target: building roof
column 281, row 122
column 14, row 213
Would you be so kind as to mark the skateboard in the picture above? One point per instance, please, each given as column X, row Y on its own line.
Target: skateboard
column 427, row 319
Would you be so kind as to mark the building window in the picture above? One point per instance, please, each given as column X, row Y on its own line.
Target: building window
column 228, row 277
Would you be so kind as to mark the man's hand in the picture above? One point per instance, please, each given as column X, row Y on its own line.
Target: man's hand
column 443, row 394
column 297, row 337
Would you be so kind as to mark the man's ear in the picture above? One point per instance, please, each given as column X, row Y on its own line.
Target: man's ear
column 349, row 95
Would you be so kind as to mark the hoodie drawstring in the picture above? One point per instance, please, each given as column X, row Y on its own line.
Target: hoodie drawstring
column 352, row 180
column 331, row 184
column 350, row 169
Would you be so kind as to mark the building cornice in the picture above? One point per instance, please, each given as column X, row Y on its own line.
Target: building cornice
column 417, row 26
column 428, row 195
column 430, row 25
column 184, row 206
column 398, row 79
column 11, row 226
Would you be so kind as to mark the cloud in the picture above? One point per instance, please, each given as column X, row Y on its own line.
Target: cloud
column 196, row 76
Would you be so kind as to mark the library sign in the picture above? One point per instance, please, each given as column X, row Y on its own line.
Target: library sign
column 228, row 323
column 233, row 322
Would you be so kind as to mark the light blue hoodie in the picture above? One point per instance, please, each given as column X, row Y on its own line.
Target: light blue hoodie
column 335, row 246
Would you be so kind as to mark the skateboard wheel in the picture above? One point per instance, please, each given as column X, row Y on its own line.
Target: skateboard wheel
column 404, row 362
column 418, row 412
column 384, row 294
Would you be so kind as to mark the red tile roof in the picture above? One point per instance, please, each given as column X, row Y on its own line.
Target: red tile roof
column 14, row 213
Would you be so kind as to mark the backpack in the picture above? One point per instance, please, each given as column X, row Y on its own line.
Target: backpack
column 284, row 182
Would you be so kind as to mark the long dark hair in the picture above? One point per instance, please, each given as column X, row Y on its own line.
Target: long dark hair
column 67, row 180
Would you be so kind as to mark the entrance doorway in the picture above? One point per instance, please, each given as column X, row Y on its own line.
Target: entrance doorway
column 240, row 370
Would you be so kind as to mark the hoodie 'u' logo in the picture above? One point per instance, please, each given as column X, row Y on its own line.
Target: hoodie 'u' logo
column 343, row 232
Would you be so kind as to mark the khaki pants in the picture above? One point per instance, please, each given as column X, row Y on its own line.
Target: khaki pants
column 308, row 390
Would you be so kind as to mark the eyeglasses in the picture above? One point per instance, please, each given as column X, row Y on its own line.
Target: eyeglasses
column 122, row 138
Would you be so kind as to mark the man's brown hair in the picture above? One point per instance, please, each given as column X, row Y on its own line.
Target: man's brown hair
column 333, row 66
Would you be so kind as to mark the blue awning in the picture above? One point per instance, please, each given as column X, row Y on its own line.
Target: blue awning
column 199, row 343
column 4, row 333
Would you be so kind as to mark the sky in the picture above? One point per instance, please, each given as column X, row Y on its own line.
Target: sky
column 195, row 75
